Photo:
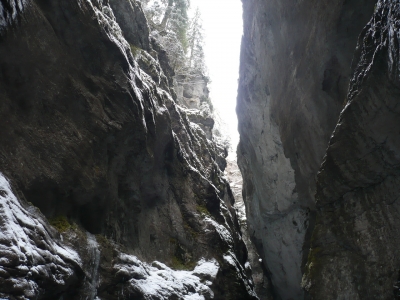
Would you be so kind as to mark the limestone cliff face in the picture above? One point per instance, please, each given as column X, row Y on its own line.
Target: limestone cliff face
column 93, row 144
column 294, row 76
column 355, row 244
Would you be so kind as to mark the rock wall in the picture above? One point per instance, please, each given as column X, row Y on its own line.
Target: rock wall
column 294, row 76
column 115, row 191
column 355, row 243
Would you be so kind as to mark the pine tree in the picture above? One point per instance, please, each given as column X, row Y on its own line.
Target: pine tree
column 196, row 41
column 182, row 38
column 169, row 22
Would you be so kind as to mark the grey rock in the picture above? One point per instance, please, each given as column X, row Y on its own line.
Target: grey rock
column 355, row 242
column 192, row 90
column 203, row 118
column 294, row 74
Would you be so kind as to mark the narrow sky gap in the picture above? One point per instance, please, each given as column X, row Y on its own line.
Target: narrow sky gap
column 223, row 28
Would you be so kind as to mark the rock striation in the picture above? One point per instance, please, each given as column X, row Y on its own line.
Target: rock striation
column 109, row 189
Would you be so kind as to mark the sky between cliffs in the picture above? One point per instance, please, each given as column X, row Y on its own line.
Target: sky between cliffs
column 223, row 28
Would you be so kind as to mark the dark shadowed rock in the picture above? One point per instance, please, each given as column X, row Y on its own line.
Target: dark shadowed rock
column 90, row 135
column 131, row 19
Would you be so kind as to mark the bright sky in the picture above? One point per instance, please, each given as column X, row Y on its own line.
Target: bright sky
column 223, row 28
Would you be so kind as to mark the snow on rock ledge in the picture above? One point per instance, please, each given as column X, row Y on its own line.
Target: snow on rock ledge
column 157, row 281
column 31, row 259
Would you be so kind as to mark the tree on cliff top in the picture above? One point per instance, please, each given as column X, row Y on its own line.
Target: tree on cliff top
column 169, row 16
column 196, row 41
column 180, row 36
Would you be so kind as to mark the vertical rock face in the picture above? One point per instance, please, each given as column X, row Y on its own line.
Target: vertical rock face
column 355, row 243
column 94, row 145
column 262, row 283
column 294, row 74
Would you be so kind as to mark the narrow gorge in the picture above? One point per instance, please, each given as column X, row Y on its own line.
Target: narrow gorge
column 115, row 183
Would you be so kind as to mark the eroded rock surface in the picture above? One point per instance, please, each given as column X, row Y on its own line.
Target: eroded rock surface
column 91, row 136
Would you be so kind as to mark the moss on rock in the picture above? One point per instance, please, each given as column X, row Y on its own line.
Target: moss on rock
column 60, row 223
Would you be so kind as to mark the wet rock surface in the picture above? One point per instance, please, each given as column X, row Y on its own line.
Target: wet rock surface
column 90, row 135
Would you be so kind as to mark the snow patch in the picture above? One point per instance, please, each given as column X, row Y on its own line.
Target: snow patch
column 157, row 281
column 27, row 250
column 224, row 233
